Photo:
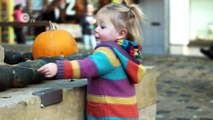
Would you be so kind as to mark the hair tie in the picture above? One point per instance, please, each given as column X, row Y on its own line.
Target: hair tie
column 131, row 12
column 129, row 7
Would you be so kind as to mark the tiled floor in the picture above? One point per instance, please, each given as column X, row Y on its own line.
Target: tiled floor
column 184, row 86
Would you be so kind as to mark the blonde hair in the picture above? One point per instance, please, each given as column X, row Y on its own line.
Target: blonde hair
column 125, row 16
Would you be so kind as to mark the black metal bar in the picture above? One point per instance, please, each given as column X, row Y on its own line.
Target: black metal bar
column 49, row 96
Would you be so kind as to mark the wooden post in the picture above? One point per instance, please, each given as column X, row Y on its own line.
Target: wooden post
column 116, row 1
column 1, row 20
column 10, row 5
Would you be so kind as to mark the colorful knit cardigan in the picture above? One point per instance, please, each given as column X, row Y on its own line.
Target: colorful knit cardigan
column 111, row 74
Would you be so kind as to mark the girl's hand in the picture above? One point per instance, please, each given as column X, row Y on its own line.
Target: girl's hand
column 49, row 70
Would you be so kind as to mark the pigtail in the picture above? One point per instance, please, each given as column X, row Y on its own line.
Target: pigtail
column 137, row 12
column 135, row 23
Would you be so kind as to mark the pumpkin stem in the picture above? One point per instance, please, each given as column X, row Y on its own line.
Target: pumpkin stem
column 52, row 26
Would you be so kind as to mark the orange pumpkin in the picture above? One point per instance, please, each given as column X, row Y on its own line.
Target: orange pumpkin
column 54, row 43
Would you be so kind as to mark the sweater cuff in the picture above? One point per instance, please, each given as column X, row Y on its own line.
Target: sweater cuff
column 60, row 66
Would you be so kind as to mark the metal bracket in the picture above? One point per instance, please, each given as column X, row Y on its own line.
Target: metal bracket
column 49, row 96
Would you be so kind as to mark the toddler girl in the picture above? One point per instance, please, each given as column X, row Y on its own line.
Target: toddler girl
column 113, row 68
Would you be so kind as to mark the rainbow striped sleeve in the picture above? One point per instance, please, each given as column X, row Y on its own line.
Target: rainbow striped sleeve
column 92, row 66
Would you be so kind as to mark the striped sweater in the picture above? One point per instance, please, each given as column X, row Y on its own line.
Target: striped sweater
column 111, row 74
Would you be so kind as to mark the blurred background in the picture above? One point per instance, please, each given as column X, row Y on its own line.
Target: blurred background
column 174, row 31
column 170, row 26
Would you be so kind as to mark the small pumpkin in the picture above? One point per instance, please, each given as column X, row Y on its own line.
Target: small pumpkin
column 54, row 43
column 21, row 76
column 30, row 67
column 12, row 57
column 5, row 77
column 27, row 56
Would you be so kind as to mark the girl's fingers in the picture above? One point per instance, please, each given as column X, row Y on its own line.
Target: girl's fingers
column 49, row 70
column 43, row 69
column 48, row 75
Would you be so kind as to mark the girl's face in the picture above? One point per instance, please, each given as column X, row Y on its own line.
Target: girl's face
column 105, row 30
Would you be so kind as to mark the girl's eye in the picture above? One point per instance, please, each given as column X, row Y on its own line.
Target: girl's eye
column 102, row 27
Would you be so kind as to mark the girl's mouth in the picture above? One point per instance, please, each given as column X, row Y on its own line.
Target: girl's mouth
column 97, row 38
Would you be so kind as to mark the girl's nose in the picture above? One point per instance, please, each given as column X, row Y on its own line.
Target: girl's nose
column 96, row 30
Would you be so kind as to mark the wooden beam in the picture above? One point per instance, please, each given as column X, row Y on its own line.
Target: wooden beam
column 20, row 24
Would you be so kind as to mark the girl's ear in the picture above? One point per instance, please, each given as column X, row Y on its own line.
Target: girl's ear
column 122, row 34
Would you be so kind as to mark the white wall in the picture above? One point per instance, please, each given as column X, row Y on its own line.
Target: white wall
column 201, row 14
column 179, row 22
